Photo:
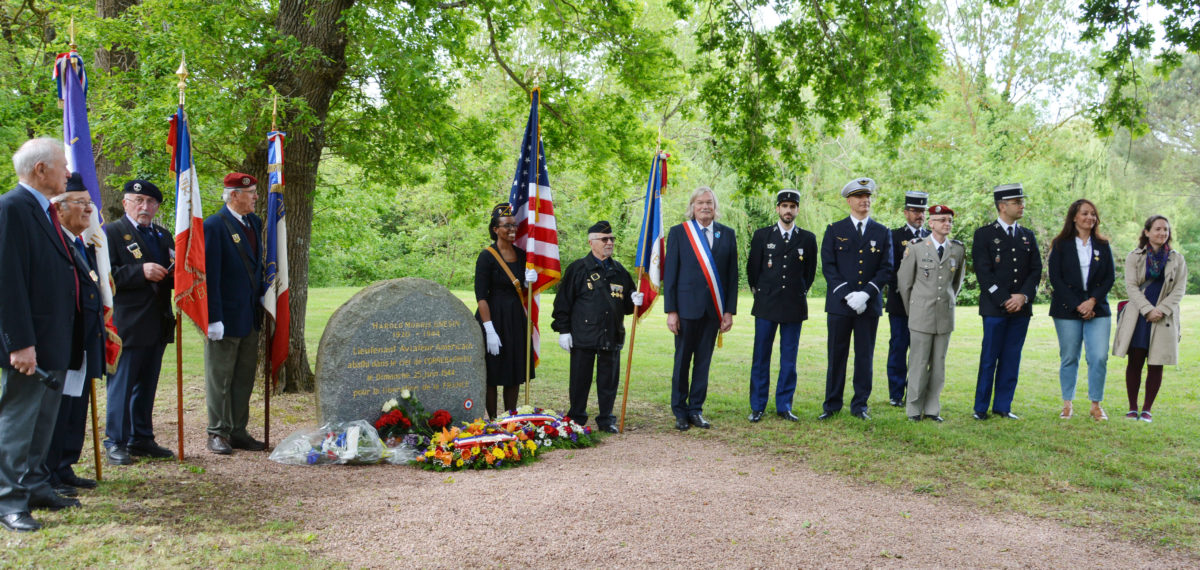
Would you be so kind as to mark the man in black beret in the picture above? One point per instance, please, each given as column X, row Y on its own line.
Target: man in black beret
column 593, row 298
column 781, row 269
column 142, row 256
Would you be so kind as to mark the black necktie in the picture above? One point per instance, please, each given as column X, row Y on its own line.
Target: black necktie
column 704, row 232
column 82, row 252
column 1010, row 231
column 150, row 236
column 786, row 236
column 860, row 230
column 940, row 250
column 252, row 237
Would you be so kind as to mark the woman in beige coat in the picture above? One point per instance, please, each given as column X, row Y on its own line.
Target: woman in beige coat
column 1148, row 328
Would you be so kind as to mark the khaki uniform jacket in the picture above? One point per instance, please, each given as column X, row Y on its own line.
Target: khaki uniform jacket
column 1165, row 334
column 929, row 286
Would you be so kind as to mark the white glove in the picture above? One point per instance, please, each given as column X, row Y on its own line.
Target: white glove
column 216, row 331
column 857, row 301
column 564, row 340
column 531, row 276
column 861, row 308
column 493, row 339
column 638, row 298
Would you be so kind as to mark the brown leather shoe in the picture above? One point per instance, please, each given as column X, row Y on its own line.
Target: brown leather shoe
column 1098, row 412
column 1067, row 412
column 219, row 445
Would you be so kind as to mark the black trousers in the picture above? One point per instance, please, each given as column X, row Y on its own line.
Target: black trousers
column 66, row 445
column 693, row 353
column 607, row 365
column 841, row 328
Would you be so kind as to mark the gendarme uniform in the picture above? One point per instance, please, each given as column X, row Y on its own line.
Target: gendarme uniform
column 897, row 362
column 929, row 280
column 593, row 298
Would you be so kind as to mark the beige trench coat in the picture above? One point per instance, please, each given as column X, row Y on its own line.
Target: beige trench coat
column 1165, row 334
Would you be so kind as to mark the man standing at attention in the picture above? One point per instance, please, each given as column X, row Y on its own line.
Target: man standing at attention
column 39, row 340
column 930, row 277
column 593, row 298
column 141, row 253
column 700, row 283
column 233, row 260
column 897, row 363
column 856, row 259
column 1008, row 267
column 781, row 269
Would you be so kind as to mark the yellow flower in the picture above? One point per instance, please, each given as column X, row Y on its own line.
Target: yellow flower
column 531, row 445
column 429, row 453
column 499, row 453
column 458, row 463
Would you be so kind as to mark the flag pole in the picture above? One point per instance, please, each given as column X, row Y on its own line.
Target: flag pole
column 629, row 359
column 270, row 325
column 534, row 200
column 96, row 433
column 182, row 73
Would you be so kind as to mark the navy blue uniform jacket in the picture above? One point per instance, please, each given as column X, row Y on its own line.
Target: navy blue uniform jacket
column 685, row 289
column 142, row 309
column 780, row 273
column 233, row 292
column 851, row 262
column 1004, row 266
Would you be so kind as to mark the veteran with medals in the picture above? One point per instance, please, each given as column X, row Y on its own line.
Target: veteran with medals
column 1008, row 267
column 929, row 280
column 593, row 298
column 141, row 253
column 780, row 269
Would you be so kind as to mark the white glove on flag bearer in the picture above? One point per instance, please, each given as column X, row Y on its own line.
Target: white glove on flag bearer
column 638, row 298
column 565, row 341
column 216, row 331
column 493, row 339
column 531, row 276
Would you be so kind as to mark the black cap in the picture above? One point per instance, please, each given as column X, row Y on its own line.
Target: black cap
column 75, row 183
column 916, row 199
column 502, row 209
column 787, row 195
column 601, row 227
column 143, row 188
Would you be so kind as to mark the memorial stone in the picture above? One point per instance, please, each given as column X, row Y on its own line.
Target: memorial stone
column 402, row 334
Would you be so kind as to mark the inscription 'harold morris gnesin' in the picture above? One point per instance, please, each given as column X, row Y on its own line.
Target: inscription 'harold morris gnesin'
column 403, row 334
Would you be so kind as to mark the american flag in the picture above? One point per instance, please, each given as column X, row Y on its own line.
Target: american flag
column 533, row 208
column 651, row 248
column 275, row 300
column 71, row 78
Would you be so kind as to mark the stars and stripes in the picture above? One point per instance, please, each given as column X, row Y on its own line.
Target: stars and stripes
column 651, row 246
column 275, row 300
column 533, row 208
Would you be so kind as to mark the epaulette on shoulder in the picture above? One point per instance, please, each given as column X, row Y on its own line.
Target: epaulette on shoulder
column 913, row 241
column 956, row 241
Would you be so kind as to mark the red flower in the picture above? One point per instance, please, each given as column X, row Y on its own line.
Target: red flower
column 551, row 431
column 440, row 419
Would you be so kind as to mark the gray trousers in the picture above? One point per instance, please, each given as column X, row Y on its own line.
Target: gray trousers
column 229, row 367
column 926, row 373
column 28, row 411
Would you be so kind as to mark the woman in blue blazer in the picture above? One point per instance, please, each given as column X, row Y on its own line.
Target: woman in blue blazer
column 1081, row 273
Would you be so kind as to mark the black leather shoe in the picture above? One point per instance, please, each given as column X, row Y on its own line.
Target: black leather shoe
column 610, row 428
column 699, row 421
column 248, row 443
column 914, row 418
column 20, row 522
column 219, row 445
column 78, row 482
column 65, row 490
column 980, row 415
column 895, row 403
column 938, row 419
column 755, row 417
column 788, row 415
column 682, row 424
column 1007, row 415
column 119, row 455
column 55, row 503
column 150, row 449
column 863, row 415
column 825, row 415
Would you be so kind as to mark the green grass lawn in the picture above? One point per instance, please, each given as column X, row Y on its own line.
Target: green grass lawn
column 1139, row 481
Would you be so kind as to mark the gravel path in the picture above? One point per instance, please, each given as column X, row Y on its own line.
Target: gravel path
column 651, row 498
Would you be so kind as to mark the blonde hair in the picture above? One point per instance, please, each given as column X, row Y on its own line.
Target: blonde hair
column 691, row 207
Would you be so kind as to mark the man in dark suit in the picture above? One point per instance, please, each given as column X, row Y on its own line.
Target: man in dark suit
column 141, row 253
column 594, row 296
column 856, row 259
column 915, row 204
column 700, row 284
column 781, row 268
column 38, row 302
column 1008, row 267
column 74, row 209
column 233, row 261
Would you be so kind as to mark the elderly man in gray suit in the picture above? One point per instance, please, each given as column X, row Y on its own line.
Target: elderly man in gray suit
column 929, row 278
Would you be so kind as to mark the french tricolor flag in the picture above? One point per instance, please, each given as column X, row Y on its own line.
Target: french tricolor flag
column 191, row 290
column 651, row 247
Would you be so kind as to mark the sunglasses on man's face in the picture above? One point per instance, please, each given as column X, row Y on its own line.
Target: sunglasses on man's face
column 608, row 239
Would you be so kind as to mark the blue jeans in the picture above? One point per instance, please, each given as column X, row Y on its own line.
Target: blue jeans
column 1074, row 335
column 999, row 363
column 760, row 370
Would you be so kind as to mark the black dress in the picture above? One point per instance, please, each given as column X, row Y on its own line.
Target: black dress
column 508, row 317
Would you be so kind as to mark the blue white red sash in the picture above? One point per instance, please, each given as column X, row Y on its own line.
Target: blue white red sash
column 708, row 265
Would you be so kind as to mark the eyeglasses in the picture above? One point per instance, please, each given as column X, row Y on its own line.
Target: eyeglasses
column 608, row 239
column 81, row 202
column 141, row 200
column 508, row 226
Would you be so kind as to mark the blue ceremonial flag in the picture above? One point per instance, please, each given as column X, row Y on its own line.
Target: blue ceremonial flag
column 651, row 247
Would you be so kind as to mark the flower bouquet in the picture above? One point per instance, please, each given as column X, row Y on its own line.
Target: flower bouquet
column 478, row 445
column 404, row 417
column 546, row 428
column 338, row 443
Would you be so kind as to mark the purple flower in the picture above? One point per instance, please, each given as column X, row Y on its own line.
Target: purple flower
column 412, row 439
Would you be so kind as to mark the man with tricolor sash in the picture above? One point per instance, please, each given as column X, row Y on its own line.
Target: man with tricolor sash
column 700, row 286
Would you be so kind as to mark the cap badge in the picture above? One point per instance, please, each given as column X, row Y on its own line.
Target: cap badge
column 246, row 180
column 137, row 186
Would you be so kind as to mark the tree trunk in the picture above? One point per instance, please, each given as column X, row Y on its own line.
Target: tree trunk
column 317, row 24
column 108, row 171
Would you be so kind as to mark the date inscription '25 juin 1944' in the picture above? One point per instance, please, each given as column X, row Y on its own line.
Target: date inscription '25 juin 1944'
column 402, row 334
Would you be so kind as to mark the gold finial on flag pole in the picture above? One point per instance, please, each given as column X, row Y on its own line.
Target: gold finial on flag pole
column 182, row 73
column 274, row 106
column 71, row 33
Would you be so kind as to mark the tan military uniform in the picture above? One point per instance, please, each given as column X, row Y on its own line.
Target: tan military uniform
column 928, row 286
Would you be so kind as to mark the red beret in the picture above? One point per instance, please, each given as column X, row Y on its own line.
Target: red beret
column 940, row 210
column 239, row 180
